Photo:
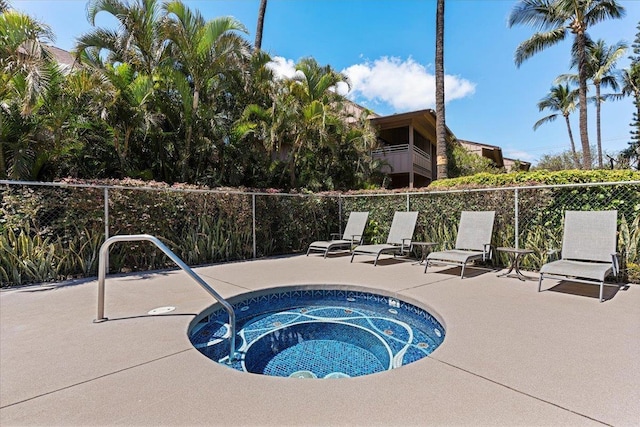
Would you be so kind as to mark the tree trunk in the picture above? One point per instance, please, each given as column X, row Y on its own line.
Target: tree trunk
column 576, row 160
column 582, row 94
column 261, row 12
column 189, row 134
column 441, row 130
column 598, row 133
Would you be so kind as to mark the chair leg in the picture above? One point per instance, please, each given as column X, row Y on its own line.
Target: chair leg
column 326, row 252
column 376, row 261
column 601, row 289
column 426, row 264
column 540, row 282
column 352, row 255
column 462, row 272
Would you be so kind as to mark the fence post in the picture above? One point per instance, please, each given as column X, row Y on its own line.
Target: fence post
column 253, row 200
column 340, row 214
column 106, row 225
column 516, row 215
column 407, row 201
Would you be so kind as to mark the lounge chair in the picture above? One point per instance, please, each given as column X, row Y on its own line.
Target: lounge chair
column 588, row 249
column 399, row 239
column 353, row 234
column 472, row 243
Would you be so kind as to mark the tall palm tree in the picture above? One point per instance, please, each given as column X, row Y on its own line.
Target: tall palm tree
column 601, row 61
column 261, row 13
column 555, row 19
column 562, row 100
column 314, row 93
column 441, row 129
column 202, row 50
column 630, row 86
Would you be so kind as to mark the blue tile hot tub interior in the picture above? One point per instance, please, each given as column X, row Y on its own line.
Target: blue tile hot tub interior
column 319, row 333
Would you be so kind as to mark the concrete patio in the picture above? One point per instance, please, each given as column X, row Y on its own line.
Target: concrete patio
column 512, row 356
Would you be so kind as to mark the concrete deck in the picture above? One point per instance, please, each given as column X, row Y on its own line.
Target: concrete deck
column 512, row 356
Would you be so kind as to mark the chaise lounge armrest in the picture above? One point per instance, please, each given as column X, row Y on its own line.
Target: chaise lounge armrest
column 406, row 243
column 355, row 238
column 487, row 252
column 615, row 261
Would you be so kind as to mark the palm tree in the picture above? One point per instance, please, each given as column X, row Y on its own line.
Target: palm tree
column 555, row 19
column 201, row 50
column 562, row 100
column 24, row 76
column 23, row 52
column 314, row 93
column 630, row 86
column 441, row 129
column 129, row 111
column 137, row 42
column 261, row 12
column 601, row 61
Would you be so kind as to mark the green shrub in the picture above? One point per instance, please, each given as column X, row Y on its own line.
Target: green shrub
column 483, row 180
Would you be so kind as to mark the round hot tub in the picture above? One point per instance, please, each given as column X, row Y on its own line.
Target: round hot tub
column 318, row 332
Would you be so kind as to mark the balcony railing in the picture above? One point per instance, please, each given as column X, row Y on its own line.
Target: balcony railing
column 401, row 161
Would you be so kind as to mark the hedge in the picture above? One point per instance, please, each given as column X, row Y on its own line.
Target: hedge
column 54, row 233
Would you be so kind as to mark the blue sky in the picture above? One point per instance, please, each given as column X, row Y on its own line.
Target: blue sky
column 387, row 49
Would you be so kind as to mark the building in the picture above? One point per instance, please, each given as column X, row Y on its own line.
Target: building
column 65, row 59
column 408, row 148
column 494, row 153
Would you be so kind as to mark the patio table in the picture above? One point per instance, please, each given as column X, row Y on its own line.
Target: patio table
column 424, row 249
column 515, row 254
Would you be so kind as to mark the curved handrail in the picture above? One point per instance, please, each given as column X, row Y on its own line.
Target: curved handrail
column 102, row 273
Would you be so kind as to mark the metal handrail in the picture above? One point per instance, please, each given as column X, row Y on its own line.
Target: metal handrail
column 102, row 273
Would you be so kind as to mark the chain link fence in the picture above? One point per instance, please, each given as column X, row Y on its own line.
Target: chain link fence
column 526, row 217
column 53, row 231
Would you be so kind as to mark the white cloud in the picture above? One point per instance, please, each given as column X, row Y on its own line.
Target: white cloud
column 404, row 85
column 282, row 67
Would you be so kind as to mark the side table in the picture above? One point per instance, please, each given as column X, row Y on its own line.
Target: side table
column 514, row 255
column 424, row 247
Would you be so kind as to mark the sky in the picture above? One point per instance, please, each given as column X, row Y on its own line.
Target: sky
column 387, row 49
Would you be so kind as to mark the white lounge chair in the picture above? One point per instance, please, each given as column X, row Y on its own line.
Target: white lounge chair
column 399, row 239
column 353, row 234
column 472, row 243
column 588, row 249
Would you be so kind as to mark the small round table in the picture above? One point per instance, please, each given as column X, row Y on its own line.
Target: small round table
column 424, row 246
column 514, row 255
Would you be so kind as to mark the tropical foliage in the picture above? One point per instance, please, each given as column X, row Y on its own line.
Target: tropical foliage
column 553, row 21
column 171, row 96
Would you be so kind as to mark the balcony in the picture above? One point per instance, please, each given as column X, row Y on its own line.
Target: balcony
column 400, row 160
